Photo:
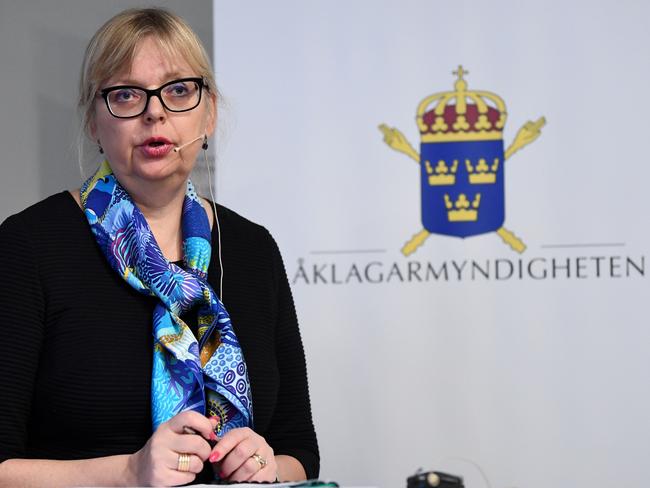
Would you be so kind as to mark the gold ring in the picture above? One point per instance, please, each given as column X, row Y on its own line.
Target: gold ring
column 183, row 462
column 262, row 462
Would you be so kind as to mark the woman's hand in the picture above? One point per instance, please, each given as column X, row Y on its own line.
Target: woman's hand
column 243, row 455
column 157, row 463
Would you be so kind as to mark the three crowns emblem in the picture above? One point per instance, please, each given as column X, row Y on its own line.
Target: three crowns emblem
column 462, row 163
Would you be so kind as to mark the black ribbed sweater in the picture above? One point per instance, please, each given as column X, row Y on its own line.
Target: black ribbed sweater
column 76, row 340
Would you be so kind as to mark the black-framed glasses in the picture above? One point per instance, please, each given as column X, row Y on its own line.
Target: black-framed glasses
column 126, row 101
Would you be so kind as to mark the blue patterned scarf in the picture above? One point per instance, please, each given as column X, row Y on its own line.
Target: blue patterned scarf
column 208, row 375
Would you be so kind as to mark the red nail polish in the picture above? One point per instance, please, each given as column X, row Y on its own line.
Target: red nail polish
column 213, row 436
column 214, row 457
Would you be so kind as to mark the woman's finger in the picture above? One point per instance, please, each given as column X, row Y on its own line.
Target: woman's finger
column 191, row 444
column 192, row 420
column 191, row 464
column 242, row 454
column 228, row 442
column 239, row 456
column 269, row 473
column 264, row 470
column 247, row 471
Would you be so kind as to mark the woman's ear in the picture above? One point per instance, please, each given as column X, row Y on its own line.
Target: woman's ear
column 92, row 129
column 211, row 122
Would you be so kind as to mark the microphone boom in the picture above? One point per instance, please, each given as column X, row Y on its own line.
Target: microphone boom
column 178, row 148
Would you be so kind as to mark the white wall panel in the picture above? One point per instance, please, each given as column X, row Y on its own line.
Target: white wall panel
column 541, row 382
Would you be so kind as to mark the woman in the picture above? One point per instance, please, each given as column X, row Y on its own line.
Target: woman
column 89, row 397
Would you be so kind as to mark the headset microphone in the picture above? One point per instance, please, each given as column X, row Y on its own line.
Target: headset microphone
column 178, row 148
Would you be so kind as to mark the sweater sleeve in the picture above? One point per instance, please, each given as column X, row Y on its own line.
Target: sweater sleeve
column 21, row 326
column 292, row 430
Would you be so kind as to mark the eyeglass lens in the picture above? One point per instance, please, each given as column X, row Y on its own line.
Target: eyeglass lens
column 177, row 96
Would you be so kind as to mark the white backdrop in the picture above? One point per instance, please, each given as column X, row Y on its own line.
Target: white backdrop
column 537, row 373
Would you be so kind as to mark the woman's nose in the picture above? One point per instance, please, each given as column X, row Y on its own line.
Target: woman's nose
column 155, row 110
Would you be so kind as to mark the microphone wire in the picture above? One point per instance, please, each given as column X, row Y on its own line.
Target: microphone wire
column 216, row 220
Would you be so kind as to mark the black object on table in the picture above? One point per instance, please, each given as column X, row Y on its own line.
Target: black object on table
column 434, row 479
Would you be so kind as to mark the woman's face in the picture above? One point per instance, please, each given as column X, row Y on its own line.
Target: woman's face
column 140, row 149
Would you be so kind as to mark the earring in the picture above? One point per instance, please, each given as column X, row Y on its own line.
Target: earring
column 99, row 145
column 205, row 143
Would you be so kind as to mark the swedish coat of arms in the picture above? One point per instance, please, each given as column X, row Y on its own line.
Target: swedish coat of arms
column 462, row 163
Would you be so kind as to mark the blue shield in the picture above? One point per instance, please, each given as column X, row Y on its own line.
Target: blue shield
column 462, row 187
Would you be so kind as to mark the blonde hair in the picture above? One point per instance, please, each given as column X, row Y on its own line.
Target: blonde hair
column 114, row 45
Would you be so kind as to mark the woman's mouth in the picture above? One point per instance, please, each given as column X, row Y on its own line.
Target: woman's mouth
column 156, row 147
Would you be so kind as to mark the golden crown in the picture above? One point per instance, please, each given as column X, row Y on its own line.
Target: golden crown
column 462, row 114
column 442, row 174
column 462, row 210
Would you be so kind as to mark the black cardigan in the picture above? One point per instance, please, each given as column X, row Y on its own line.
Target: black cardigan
column 76, row 340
